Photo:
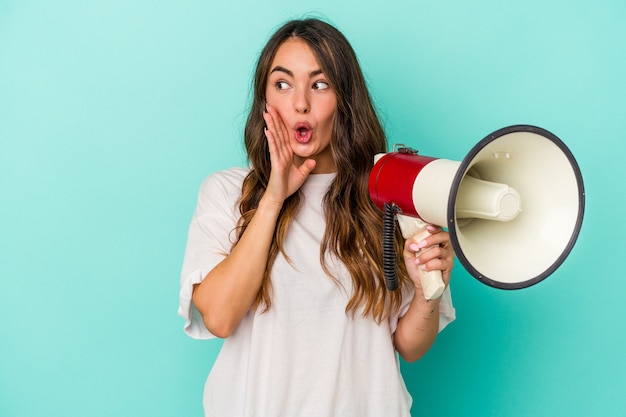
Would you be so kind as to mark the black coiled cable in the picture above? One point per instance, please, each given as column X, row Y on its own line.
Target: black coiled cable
column 389, row 246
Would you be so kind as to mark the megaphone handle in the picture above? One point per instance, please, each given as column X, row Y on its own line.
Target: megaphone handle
column 432, row 281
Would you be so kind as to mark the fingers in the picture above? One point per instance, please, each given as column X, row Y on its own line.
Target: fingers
column 288, row 172
column 425, row 257
column 277, row 137
column 307, row 167
column 432, row 253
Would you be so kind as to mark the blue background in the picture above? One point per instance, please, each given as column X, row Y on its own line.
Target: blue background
column 112, row 112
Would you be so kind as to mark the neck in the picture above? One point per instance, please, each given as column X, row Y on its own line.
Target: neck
column 322, row 166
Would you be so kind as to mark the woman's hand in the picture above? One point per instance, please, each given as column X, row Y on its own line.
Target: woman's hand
column 229, row 291
column 286, row 176
column 431, row 253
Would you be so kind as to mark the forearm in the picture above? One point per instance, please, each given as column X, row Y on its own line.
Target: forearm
column 227, row 293
column 417, row 329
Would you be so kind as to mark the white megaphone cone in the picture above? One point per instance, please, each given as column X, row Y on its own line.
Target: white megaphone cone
column 513, row 206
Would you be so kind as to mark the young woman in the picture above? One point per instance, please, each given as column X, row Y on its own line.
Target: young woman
column 283, row 258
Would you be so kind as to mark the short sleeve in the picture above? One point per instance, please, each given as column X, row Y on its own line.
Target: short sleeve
column 447, row 313
column 210, row 238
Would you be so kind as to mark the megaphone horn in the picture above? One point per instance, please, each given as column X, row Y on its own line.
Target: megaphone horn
column 513, row 206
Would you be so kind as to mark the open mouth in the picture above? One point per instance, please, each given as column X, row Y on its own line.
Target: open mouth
column 303, row 133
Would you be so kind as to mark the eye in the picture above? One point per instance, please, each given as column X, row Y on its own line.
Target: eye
column 321, row 85
column 282, row 85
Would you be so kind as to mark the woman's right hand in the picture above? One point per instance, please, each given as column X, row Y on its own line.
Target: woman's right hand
column 287, row 174
column 228, row 292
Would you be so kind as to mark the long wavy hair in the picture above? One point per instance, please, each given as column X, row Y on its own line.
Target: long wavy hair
column 353, row 223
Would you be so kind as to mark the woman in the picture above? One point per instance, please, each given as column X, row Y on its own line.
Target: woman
column 284, row 258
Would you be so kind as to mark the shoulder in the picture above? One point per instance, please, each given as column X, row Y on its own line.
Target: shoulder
column 225, row 182
column 221, row 189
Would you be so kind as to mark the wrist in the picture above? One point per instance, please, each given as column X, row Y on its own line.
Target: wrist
column 423, row 305
column 270, row 205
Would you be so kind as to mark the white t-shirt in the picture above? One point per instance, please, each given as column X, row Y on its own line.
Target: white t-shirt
column 305, row 356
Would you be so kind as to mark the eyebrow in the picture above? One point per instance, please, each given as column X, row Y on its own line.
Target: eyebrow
column 278, row 68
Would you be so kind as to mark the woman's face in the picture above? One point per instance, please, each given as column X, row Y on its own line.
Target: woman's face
column 299, row 91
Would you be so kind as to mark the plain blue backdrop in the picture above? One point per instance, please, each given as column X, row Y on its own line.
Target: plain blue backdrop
column 112, row 112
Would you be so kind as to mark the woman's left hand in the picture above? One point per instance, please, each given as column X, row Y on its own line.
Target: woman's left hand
column 433, row 253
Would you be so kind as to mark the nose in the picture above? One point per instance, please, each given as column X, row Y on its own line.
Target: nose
column 301, row 102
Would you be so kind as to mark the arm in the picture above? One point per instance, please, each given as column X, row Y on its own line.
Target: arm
column 227, row 293
column 418, row 328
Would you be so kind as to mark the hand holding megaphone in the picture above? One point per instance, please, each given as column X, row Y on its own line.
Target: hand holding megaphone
column 513, row 206
column 431, row 281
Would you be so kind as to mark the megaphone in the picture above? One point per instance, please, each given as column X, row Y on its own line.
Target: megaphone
column 513, row 206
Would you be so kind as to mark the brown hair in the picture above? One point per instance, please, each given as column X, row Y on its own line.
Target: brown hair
column 354, row 224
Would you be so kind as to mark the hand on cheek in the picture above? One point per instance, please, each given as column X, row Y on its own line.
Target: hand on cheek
column 286, row 176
